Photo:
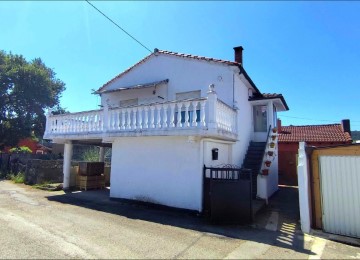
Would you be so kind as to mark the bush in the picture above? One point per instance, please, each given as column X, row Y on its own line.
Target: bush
column 17, row 178
column 91, row 154
column 21, row 149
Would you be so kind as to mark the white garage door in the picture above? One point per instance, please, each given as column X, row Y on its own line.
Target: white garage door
column 340, row 189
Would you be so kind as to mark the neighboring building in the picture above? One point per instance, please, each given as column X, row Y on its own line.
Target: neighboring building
column 35, row 146
column 313, row 135
column 165, row 117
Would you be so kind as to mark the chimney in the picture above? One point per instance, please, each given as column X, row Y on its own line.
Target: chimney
column 238, row 54
column 345, row 124
column 278, row 125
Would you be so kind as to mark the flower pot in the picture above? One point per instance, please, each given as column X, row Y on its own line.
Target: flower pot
column 274, row 130
column 272, row 145
column 273, row 137
column 265, row 171
column 267, row 163
column 270, row 153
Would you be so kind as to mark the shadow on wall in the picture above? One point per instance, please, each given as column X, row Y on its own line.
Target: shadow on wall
column 99, row 200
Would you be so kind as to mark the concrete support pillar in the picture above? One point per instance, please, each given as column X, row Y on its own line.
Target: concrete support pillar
column 68, row 150
column 102, row 154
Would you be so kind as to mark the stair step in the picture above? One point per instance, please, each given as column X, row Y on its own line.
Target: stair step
column 257, row 144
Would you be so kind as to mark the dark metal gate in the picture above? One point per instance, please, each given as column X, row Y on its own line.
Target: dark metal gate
column 227, row 194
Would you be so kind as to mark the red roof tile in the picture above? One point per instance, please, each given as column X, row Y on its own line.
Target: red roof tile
column 314, row 133
column 231, row 63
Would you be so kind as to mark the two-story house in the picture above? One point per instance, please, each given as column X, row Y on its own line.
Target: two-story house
column 163, row 118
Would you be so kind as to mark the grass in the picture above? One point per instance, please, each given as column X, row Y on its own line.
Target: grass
column 48, row 186
column 17, row 178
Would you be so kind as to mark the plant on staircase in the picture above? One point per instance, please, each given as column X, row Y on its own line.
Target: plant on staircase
column 267, row 163
column 265, row 171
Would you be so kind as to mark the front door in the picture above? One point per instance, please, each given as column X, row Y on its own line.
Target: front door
column 260, row 122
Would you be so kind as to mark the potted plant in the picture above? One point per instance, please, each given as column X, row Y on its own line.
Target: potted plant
column 265, row 171
column 274, row 130
column 273, row 137
column 270, row 153
column 272, row 145
column 267, row 163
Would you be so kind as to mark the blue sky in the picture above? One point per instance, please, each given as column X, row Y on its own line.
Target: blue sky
column 308, row 51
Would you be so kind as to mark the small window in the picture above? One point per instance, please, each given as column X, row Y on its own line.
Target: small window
column 129, row 102
column 188, row 95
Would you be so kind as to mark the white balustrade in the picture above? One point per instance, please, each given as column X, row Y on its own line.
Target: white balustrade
column 225, row 117
column 172, row 115
column 89, row 121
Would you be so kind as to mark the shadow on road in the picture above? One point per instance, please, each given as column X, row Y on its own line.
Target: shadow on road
column 285, row 202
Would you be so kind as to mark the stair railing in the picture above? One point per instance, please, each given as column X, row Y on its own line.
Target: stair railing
column 267, row 140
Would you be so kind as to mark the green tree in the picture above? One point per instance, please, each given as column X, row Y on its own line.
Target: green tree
column 27, row 89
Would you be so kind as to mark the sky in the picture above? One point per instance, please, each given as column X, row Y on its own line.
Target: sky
column 308, row 51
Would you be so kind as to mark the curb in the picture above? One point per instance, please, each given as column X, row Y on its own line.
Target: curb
column 337, row 238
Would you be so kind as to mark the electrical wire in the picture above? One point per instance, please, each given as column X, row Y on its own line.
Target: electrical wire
column 118, row 26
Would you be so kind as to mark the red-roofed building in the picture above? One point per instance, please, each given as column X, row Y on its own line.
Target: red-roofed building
column 313, row 135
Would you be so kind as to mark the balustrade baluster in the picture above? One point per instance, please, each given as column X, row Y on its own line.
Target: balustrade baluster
column 91, row 123
column 118, row 119
column 123, row 122
column 165, row 111
column 186, row 123
column 128, row 121
column 172, row 115
column 146, row 117
column 140, row 119
column 134, row 110
column 158, row 117
column 178, row 123
column 101, row 120
column 202, row 114
column 152, row 117
column 194, row 119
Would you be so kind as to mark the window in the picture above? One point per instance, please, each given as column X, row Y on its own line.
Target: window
column 188, row 95
column 260, row 118
column 129, row 102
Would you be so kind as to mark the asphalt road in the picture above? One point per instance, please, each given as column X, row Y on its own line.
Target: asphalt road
column 42, row 224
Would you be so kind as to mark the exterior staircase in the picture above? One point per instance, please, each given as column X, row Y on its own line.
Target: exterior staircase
column 253, row 160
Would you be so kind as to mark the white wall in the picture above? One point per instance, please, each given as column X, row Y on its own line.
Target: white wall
column 144, row 95
column 162, row 170
column 267, row 185
column 184, row 75
column 245, row 124
column 225, row 151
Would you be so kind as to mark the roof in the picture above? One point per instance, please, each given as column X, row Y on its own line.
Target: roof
column 314, row 133
column 139, row 86
column 182, row 55
column 270, row 96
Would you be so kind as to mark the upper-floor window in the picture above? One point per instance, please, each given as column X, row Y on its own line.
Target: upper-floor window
column 129, row 102
column 188, row 95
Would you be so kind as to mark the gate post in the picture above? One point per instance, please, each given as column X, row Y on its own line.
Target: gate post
column 303, row 182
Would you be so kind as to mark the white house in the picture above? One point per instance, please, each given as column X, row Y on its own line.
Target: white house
column 163, row 116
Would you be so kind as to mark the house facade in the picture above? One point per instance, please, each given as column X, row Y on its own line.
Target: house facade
column 164, row 117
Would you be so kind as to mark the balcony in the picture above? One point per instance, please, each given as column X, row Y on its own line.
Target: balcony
column 207, row 117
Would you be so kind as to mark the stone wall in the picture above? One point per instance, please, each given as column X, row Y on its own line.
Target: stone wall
column 40, row 171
